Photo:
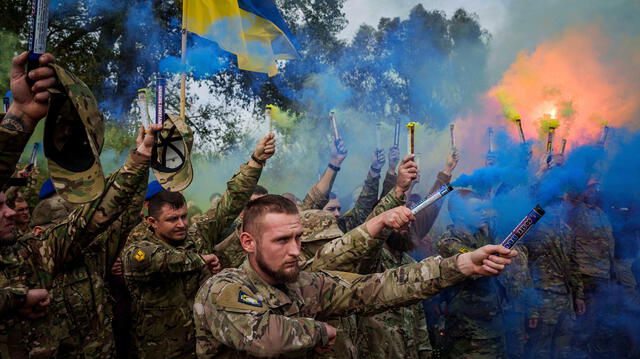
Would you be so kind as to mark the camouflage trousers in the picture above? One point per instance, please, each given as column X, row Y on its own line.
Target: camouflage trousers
column 515, row 323
column 597, row 331
column 468, row 348
column 552, row 337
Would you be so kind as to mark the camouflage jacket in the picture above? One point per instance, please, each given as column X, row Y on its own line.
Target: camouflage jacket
column 552, row 256
column 473, row 305
column 11, row 297
column 80, row 295
column 12, row 144
column 399, row 332
column 238, row 315
column 594, row 240
column 517, row 286
column 37, row 260
column 314, row 199
column 364, row 204
column 163, row 278
column 390, row 180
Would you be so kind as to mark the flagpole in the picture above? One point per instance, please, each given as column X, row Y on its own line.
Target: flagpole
column 183, row 75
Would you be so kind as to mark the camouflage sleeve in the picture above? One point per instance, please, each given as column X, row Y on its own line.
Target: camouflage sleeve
column 364, row 204
column 314, row 199
column 251, row 328
column 12, row 144
column 12, row 298
column 65, row 241
column 239, row 190
column 389, row 182
column 427, row 217
column 375, row 293
column 344, row 253
column 145, row 260
column 449, row 246
column 230, row 252
column 389, row 201
column 116, row 235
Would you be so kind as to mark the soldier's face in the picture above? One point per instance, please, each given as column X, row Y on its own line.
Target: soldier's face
column 171, row 225
column 276, row 249
column 333, row 207
column 7, row 224
column 22, row 213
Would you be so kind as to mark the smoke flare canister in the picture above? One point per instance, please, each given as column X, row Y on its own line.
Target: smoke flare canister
column 143, row 106
column 603, row 136
column 334, row 125
column 520, row 132
column 491, row 144
column 563, row 146
column 379, row 136
column 267, row 118
column 38, row 31
column 34, row 154
column 6, row 102
column 431, row 199
column 411, row 126
column 396, row 134
column 160, row 92
column 453, row 139
column 552, row 130
column 523, row 227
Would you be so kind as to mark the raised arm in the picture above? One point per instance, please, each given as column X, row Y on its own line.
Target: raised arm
column 318, row 195
column 28, row 107
column 239, row 190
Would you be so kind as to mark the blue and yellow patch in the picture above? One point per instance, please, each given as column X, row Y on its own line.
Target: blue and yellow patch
column 247, row 299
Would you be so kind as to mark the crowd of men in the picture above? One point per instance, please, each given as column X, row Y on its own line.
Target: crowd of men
column 107, row 267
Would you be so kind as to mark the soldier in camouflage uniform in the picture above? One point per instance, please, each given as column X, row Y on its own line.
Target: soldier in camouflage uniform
column 554, row 271
column 164, row 269
column 474, row 321
column 268, row 308
column 325, row 247
column 402, row 332
column 595, row 248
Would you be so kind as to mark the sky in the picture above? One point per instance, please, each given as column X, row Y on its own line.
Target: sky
column 491, row 12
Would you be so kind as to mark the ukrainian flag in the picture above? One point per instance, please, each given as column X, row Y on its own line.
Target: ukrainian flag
column 253, row 30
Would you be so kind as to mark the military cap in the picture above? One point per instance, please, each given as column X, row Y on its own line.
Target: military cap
column 73, row 139
column 46, row 190
column 49, row 211
column 319, row 225
column 152, row 189
column 170, row 158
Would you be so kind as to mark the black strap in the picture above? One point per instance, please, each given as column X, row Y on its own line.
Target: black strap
column 166, row 143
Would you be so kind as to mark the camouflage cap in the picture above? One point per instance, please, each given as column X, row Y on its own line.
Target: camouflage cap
column 49, row 211
column 171, row 156
column 319, row 225
column 73, row 139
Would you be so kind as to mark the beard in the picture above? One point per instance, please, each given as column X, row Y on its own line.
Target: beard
column 400, row 241
column 281, row 275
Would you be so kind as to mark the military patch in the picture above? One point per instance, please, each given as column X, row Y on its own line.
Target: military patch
column 247, row 299
column 464, row 250
column 139, row 255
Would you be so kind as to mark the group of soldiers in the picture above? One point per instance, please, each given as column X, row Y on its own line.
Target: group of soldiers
column 107, row 267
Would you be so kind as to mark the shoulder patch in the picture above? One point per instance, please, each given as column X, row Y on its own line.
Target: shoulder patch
column 236, row 297
column 247, row 299
column 345, row 276
column 464, row 250
column 139, row 256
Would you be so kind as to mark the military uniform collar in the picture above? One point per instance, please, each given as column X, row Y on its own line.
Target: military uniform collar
column 274, row 296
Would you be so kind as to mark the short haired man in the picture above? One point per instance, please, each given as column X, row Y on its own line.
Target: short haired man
column 268, row 307
column 164, row 268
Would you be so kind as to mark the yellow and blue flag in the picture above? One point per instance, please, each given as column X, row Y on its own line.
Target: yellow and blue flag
column 253, row 30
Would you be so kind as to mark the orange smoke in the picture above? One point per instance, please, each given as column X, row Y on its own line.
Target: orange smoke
column 582, row 78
